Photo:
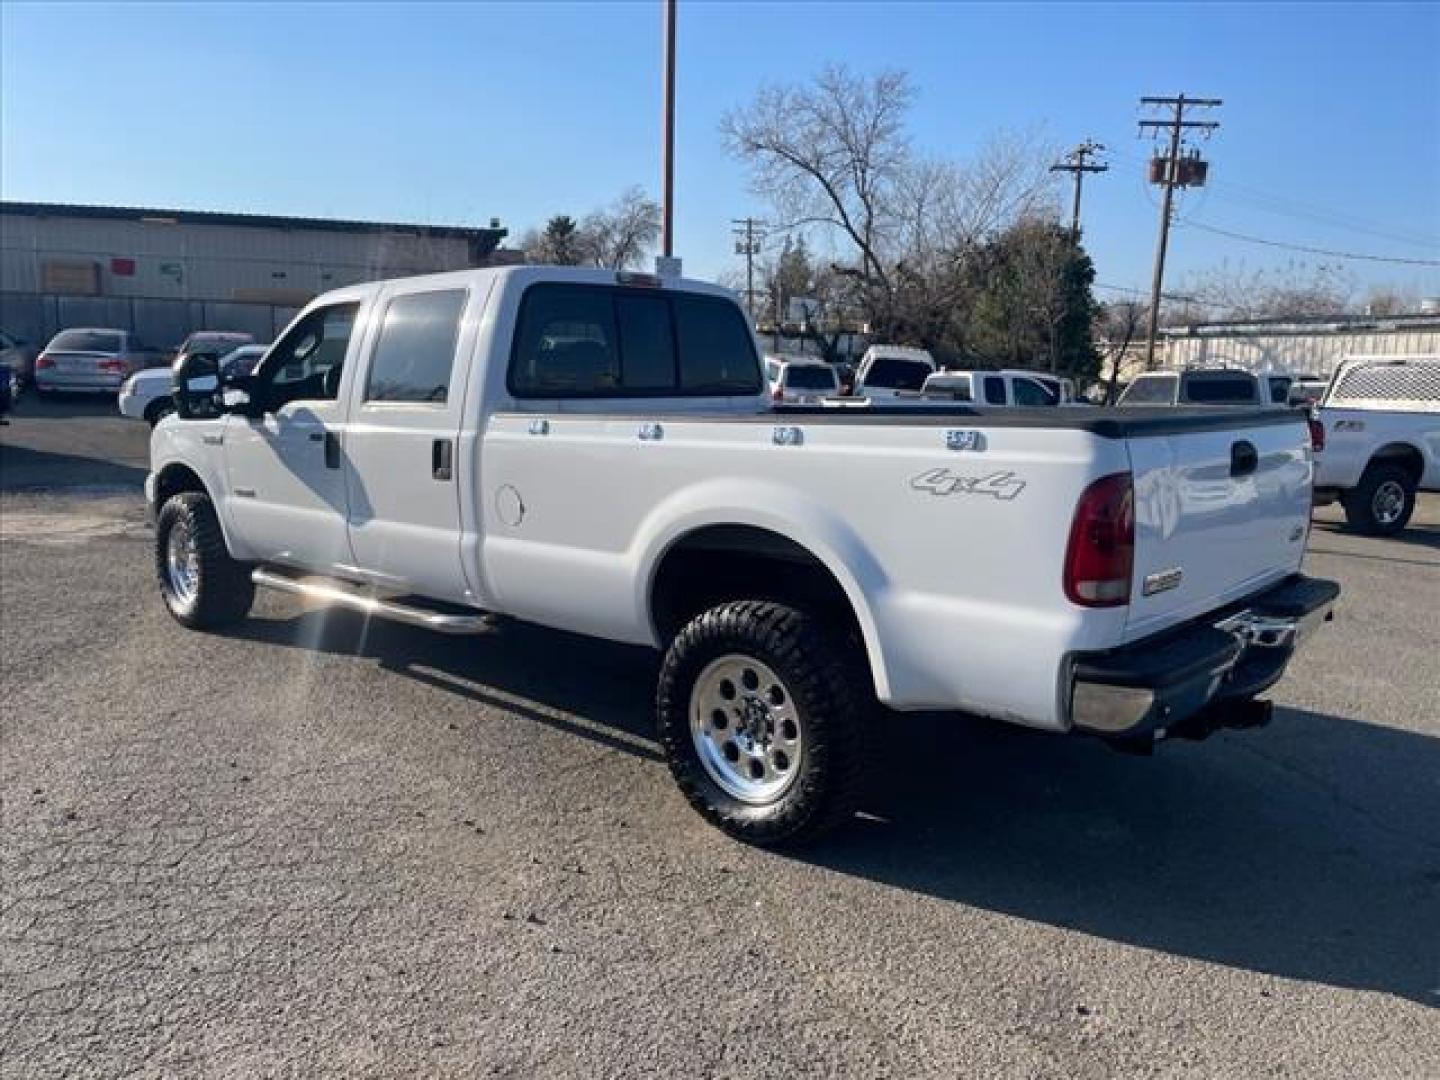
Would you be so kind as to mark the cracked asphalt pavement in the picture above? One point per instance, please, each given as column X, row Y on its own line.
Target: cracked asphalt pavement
column 314, row 847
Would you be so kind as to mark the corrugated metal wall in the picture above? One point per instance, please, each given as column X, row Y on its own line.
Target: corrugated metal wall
column 1316, row 353
column 165, row 280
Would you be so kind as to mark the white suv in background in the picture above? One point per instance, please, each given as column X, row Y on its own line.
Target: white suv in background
column 801, row 382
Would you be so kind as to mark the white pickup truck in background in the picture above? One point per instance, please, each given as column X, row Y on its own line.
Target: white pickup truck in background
column 595, row 452
column 1381, row 445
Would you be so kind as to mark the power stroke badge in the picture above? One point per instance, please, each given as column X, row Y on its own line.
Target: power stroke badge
column 999, row 485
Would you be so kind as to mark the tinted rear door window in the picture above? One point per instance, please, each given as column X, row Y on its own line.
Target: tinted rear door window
column 994, row 390
column 416, row 348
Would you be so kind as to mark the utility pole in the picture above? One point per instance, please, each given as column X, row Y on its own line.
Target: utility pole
column 747, row 243
column 1172, row 171
column 667, row 167
column 1074, row 164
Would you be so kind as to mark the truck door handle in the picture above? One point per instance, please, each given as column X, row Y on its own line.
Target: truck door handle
column 442, row 456
column 1243, row 458
column 332, row 450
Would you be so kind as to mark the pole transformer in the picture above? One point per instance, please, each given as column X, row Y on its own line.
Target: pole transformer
column 1172, row 171
column 748, row 235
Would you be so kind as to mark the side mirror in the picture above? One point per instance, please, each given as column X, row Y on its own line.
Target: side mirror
column 239, row 394
column 196, row 386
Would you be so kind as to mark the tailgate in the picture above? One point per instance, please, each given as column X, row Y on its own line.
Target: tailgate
column 1219, row 514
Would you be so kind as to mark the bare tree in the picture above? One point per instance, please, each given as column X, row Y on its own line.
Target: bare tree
column 620, row 235
column 1294, row 291
column 1116, row 329
column 831, row 154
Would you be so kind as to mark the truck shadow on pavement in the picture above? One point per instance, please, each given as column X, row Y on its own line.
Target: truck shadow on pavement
column 23, row 468
column 1307, row 851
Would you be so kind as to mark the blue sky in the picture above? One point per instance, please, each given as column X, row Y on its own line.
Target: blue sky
column 455, row 113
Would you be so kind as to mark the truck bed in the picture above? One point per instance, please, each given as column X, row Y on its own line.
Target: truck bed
column 950, row 549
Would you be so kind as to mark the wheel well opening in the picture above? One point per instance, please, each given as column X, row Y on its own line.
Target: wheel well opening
column 1404, row 455
column 740, row 562
column 174, row 479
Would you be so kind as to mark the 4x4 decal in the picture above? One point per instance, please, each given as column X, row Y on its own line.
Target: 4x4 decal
column 1001, row 485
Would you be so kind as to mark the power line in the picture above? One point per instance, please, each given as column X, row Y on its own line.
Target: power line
column 1285, row 206
column 1310, row 250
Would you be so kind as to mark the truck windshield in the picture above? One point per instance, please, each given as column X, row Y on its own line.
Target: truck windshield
column 895, row 373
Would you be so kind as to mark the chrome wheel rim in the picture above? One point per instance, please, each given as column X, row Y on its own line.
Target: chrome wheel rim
column 746, row 729
column 1388, row 502
column 182, row 563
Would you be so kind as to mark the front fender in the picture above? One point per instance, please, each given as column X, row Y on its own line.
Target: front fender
column 196, row 445
column 786, row 511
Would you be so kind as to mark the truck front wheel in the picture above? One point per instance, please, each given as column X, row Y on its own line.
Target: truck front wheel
column 202, row 585
column 1381, row 504
column 762, row 714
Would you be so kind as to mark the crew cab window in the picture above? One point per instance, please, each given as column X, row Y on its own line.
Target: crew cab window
column 1279, row 391
column 415, row 350
column 994, row 390
column 306, row 363
column 1034, row 395
column 597, row 341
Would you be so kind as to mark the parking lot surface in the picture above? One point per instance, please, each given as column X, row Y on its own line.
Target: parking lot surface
column 313, row 846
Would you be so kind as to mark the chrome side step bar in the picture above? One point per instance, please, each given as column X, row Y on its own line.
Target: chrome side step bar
column 339, row 595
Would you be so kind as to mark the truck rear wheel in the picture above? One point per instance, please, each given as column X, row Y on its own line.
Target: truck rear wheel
column 762, row 715
column 202, row 585
column 1381, row 504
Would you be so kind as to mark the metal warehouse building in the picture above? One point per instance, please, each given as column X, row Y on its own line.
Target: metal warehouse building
column 1291, row 345
column 164, row 273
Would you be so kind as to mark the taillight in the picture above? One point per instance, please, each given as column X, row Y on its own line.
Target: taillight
column 1100, row 557
column 1317, row 432
column 114, row 367
column 42, row 362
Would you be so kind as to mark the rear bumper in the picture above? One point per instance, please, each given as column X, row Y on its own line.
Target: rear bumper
column 48, row 380
column 1188, row 676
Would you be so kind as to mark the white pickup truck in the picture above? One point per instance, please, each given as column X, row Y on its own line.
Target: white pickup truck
column 595, row 451
column 1381, row 439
